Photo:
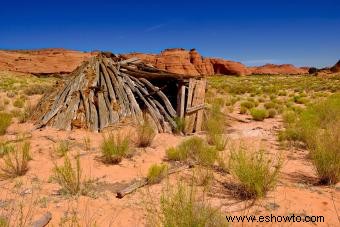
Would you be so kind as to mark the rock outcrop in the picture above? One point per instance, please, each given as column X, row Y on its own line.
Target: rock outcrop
column 178, row 60
column 336, row 67
column 272, row 69
column 42, row 61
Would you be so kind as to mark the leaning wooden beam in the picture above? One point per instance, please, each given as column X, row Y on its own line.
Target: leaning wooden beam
column 43, row 220
column 162, row 96
column 144, row 181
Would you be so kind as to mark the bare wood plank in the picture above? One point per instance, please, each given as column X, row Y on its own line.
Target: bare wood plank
column 108, row 83
column 182, row 103
column 43, row 220
column 195, row 108
column 200, row 101
column 190, row 118
column 93, row 113
column 103, row 113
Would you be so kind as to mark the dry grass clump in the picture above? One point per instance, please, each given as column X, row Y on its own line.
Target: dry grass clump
column 182, row 206
column 5, row 148
column 145, row 133
column 255, row 172
column 318, row 128
column 69, row 177
column 115, row 147
column 193, row 149
column 247, row 104
column 62, row 148
column 214, row 127
column 37, row 89
column 259, row 114
column 5, row 121
column 15, row 162
column 156, row 173
column 19, row 103
column 271, row 113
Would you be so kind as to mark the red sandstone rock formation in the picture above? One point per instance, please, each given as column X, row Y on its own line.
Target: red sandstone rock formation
column 272, row 69
column 181, row 61
column 336, row 67
column 42, row 61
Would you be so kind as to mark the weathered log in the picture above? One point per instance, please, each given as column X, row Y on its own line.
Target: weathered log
column 43, row 220
column 144, row 181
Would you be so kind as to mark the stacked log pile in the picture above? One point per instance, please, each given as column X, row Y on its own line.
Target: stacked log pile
column 106, row 90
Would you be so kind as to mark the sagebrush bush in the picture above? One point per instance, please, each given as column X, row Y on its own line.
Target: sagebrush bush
column 255, row 173
column 62, row 148
column 271, row 113
column 5, row 121
column 247, row 104
column 193, row 149
column 259, row 114
column 114, row 148
column 318, row 128
column 19, row 103
column 181, row 206
column 145, row 133
column 69, row 177
column 156, row 173
column 15, row 162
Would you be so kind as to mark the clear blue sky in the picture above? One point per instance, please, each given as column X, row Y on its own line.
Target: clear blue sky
column 302, row 32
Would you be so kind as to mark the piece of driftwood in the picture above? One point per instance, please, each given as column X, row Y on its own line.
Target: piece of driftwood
column 43, row 220
column 144, row 181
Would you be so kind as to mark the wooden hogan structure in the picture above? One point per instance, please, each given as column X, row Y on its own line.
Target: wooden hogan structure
column 108, row 89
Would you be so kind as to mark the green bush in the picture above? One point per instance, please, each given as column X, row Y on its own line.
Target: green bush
column 69, row 177
column 271, row 113
column 5, row 121
column 243, row 110
column 182, row 207
column 193, row 149
column 114, row 148
column 15, row 162
column 19, row 103
column 156, row 173
column 270, row 105
column 247, row 104
column 255, row 173
column 145, row 133
column 259, row 114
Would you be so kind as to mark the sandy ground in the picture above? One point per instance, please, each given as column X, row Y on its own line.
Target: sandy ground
column 297, row 192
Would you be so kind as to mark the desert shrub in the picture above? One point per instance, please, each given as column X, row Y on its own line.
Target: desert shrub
column 5, row 121
column 87, row 143
column 37, row 89
column 247, row 104
column 62, row 148
column 5, row 148
column 269, row 105
column 156, row 173
column 114, row 148
column 145, row 133
column 318, row 128
column 282, row 93
column 193, row 149
column 19, row 103
column 6, row 101
column 261, row 99
column 15, row 162
column 271, row 113
column 256, row 173
column 258, row 114
column 69, row 177
column 243, row 110
column 214, row 127
column 180, row 124
column 326, row 155
column 181, row 206
column 27, row 112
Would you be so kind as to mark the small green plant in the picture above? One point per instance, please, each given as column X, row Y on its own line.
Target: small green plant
column 258, row 114
column 5, row 121
column 270, row 105
column 69, row 177
column 19, row 103
column 62, row 148
column 247, row 104
column 271, row 113
column 193, row 149
column 114, row 148
column 243, row 110
column 255, row 173
column 27, row 112
column 180, row 124
column 183, row 207
column 5, row 148
column 15, row 162
column 145, row 133
column 156, row 173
